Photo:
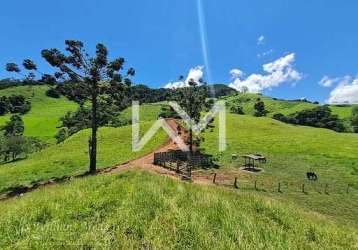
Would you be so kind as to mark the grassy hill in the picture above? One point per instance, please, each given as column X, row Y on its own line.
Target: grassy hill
column 134, row 210
column 140, row 210
column 291, row 152
column 71, row 157
column 43, row 119
column 147, row 112
column 286, row 107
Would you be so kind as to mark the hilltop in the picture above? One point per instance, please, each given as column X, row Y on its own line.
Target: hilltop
column 286, row 107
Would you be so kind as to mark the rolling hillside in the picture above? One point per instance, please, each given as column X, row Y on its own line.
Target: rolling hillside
column 286, row 107
column 43, row 118
column 291, row 152
column 71, row 157
column 137, row 209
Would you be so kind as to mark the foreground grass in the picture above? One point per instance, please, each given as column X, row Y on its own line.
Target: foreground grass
column 43, row 118
column 136, row 210
column 291, row 152
column 71, row 157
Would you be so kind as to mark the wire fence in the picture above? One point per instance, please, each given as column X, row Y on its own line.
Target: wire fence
column 304, row 187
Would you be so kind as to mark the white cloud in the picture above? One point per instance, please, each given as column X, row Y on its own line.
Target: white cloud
column 236, row 73
column 327, row 82
column 280, row 71
column 265, row 53
column 261, row 40
column 345, row 92
column 195, row 74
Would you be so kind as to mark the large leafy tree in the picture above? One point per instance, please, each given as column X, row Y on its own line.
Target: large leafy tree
column 93, row 75
column 192, row 101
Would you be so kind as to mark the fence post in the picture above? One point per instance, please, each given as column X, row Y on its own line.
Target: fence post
column 214, row 179
column 177, row 167
column 303, row 188
column 235, row 184
column 255, row 184
column 279, row 187
column 347, row 188
column 326, row 189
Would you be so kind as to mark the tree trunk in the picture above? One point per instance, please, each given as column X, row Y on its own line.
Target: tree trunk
column 191, row 140
column 93, row 141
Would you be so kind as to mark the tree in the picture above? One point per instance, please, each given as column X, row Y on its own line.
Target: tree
column 14, row 127
column 354, row 119
column 260, row 108
column 92, row 75
column 192, row 101
column 16, row 145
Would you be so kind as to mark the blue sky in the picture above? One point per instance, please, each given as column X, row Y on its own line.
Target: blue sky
column 162, row 39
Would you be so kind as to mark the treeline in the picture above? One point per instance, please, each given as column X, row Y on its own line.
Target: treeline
column 319, row 117
column 8, row 83
column 123, row 97
column 14, row 104
column 114, row 100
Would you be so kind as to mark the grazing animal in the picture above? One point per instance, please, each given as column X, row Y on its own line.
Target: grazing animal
column 312, row 176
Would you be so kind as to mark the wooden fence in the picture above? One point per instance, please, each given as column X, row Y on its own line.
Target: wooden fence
column 305, row 187
column 180, row 161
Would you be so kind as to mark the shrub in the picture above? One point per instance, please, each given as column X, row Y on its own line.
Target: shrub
column 14, row 104
column 237, row 109
column 52, row 92
column 354, row 119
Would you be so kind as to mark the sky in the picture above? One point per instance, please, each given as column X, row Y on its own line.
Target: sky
column 285, row 49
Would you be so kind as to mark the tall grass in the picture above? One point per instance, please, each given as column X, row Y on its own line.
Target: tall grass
column 136, row 210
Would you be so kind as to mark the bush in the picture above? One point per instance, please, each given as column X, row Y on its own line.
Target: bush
column 52, row 92
column 237, row 109
column 354, row 119
column 14, row 104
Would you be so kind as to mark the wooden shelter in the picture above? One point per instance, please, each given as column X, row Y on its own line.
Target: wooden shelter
column 251, row 159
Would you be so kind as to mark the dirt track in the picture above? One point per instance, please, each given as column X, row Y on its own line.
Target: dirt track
column 144, row 163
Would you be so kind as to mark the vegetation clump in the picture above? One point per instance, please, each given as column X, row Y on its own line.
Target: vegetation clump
column 260, row 109
column 13, row 144
column 14, row 104
column 320, row 117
